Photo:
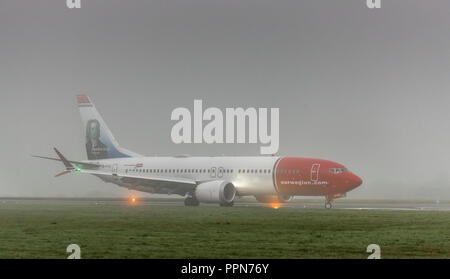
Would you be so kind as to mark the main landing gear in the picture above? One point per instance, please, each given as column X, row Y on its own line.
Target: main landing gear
column 228, row 204
column 191, row 201
column 328, row 204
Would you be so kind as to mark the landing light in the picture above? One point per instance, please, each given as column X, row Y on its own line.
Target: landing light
column 275, row 205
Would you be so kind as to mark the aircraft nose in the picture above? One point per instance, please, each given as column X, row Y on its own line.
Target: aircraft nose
column 354, row 181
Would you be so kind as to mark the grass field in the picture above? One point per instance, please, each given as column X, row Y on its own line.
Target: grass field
column 123, row 231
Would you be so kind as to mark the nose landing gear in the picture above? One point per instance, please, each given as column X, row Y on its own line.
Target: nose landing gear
column 331, row 197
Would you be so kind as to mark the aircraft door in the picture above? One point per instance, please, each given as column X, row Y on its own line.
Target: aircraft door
column 213, row 172
column 220, row 173
column 114, row 169
column 315, row 172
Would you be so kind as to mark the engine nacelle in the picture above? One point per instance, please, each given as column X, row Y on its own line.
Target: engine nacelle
column 215, row 192
column 273, row 199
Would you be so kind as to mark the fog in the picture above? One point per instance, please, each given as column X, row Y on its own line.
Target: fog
column 368, row 88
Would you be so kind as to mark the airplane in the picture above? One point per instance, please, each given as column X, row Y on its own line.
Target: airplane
column 216, row 179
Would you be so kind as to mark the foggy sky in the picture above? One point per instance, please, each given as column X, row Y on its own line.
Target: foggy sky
column 367, row 88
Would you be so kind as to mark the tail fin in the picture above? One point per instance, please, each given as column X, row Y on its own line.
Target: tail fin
column 100, row 142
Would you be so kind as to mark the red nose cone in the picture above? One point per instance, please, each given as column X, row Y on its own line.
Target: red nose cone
column 355, row 181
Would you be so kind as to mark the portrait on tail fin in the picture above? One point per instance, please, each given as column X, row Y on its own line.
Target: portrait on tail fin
column 95, row 148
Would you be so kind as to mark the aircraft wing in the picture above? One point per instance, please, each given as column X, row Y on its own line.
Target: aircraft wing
column 155, row 185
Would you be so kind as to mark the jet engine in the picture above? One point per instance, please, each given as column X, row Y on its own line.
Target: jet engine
column 218, row 191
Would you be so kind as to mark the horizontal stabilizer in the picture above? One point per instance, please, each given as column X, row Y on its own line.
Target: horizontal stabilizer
column 63, row 173
column 82, row 165
column 70, row 165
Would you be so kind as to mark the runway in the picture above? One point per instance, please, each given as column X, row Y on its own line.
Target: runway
column 349, row 204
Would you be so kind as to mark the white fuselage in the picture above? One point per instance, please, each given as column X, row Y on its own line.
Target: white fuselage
column 250, row 175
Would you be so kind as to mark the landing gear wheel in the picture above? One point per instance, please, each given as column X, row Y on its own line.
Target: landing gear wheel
column 228, row 204
column 328, row 205
column 191, row 201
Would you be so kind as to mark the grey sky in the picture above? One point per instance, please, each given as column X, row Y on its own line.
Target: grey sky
column 367, row 88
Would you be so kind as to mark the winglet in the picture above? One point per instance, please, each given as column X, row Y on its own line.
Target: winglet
column 66, row 163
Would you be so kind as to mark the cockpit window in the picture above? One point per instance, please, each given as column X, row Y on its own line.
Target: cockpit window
column 338, row 170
